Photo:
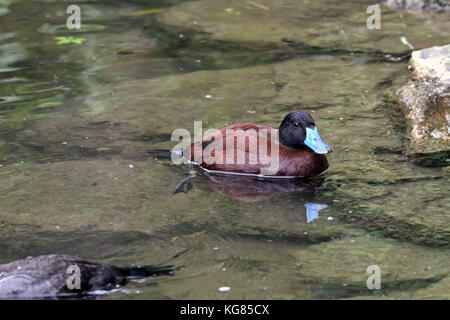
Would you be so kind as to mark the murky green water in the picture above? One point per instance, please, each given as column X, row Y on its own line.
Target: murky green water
column 77, row 120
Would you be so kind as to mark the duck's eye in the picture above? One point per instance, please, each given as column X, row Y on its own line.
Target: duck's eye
column 296, row 124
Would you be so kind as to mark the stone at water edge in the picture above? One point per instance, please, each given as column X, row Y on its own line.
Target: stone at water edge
column 427, row 101
column 432, row 64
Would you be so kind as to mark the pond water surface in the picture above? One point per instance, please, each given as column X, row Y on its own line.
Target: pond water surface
column 77, row 122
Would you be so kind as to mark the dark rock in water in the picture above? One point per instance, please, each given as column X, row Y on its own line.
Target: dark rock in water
column 427, row 101
column 419, row 5
column 54, row 276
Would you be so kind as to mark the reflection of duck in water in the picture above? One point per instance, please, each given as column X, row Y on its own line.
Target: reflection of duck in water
column 312, row 211
column 49, row 276
column 251, row 189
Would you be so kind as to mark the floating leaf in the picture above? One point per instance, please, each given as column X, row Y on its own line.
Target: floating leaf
column 406, row 43
column 69, row 40
column 78, row 40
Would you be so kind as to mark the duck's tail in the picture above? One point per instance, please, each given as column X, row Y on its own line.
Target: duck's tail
column 140, row 272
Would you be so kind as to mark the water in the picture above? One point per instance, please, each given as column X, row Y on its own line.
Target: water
column 77, row 120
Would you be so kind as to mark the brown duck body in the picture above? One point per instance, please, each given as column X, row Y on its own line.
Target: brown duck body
column 302, row 162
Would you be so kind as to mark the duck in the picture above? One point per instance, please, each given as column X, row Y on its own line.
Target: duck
column 294, row 150
column 52, row 276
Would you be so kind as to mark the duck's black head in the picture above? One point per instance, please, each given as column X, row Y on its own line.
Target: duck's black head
column 298, row 131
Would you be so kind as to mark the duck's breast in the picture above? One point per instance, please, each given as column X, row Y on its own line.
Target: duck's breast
column 302, row 163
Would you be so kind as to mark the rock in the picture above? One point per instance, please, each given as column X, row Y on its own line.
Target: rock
column 46, row 276
column 347, row 260
column 428, row 106
column 401, row 203
column 437, row 291
column 434, row 291
column 406, row 271
column 427, row 101
column 419, row 5
column 291, row 26
column 432, row 64
column 123, row 196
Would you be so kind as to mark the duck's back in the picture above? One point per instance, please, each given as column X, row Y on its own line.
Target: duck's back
column 47, row 275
